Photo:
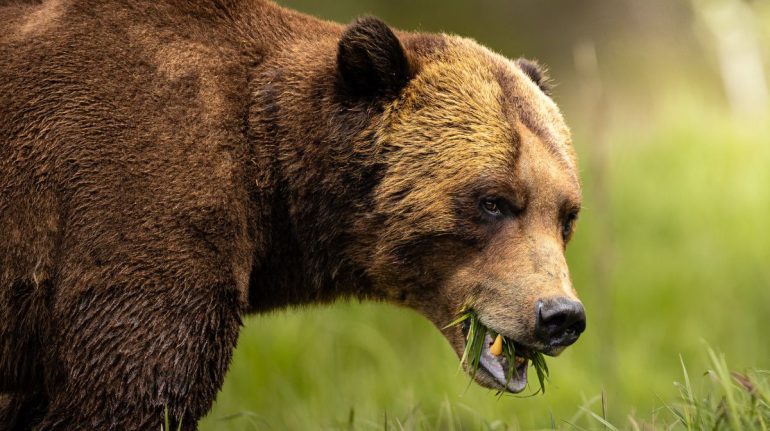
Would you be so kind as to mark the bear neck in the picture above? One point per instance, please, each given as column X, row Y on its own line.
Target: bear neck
column 315, row 177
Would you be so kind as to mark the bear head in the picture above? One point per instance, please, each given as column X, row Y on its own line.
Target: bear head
column 479, row 195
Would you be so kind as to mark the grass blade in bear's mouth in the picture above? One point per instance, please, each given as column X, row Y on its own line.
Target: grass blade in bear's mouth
column 474, row 347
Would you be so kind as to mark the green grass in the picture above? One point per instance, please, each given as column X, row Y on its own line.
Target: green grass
column 717, row 399
column 474, row 346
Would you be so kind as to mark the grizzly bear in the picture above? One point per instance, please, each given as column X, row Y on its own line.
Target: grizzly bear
column 168, row 167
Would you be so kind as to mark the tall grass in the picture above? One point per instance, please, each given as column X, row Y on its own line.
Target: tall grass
column 738, row 400
column 717, row 399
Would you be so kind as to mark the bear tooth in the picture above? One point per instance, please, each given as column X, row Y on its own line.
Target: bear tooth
column 496, row 349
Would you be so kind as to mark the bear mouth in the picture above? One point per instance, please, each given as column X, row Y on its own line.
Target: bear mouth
column 493, row 371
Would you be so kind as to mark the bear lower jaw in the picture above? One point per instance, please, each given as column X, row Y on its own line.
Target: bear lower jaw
column 493, row 370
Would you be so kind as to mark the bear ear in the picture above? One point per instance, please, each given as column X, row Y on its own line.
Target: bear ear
column 536, row 73
column 371, row 60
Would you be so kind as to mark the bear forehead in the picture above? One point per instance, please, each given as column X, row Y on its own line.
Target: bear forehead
column 471, row 103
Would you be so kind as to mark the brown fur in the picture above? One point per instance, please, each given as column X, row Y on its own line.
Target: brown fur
column 167, row 167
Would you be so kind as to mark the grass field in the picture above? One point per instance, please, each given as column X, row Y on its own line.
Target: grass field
column 719, row 399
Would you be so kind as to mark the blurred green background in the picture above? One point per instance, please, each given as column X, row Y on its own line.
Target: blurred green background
column 668, row 102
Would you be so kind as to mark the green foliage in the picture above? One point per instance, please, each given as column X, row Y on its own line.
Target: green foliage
column 737, row 400
column 474, row 342
column 541, row 368
column 727, row 400
column 166, row 426
column 474, row 345
column 723, row 400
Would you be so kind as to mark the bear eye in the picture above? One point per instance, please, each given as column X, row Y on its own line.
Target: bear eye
column 568, row 226
column 491, row 206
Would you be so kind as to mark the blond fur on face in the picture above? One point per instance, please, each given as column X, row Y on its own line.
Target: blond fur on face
column 473, row 124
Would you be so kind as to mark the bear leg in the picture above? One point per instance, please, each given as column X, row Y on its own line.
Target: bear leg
column 129, row 354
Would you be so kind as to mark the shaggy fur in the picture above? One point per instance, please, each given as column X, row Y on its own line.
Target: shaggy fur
column 166, row 167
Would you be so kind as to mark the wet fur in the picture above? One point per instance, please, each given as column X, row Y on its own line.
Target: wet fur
column 166, row 168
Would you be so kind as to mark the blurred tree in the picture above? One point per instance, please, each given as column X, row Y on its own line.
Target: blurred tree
column 732, row 28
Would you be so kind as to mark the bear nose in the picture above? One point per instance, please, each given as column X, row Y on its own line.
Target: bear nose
column 560, row 321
